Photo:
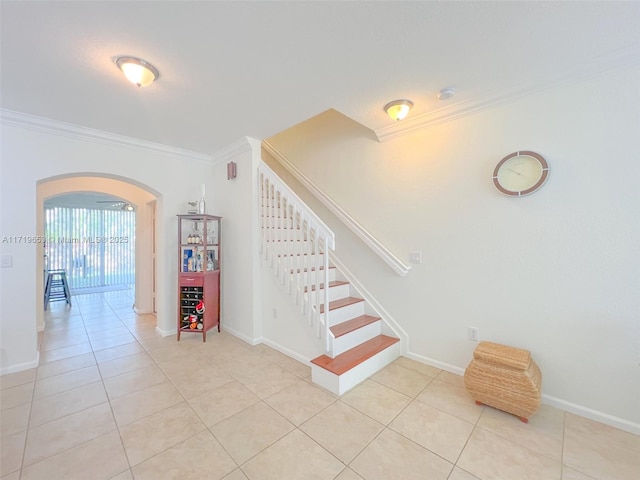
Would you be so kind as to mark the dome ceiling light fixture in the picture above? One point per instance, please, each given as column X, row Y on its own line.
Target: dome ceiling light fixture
column 398, row 109
column 138, row 71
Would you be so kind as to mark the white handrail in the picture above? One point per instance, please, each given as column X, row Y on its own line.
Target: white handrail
column 296, row 244
column 374, row 244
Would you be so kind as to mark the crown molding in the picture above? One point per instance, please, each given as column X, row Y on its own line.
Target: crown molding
column 383, row 252
column 77, row 132
column 600, row 66
column 231, row 151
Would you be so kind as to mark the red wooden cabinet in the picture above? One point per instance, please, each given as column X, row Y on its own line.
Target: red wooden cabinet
column 199, row 274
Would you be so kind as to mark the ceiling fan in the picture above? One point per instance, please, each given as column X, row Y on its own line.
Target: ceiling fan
column 126, row 206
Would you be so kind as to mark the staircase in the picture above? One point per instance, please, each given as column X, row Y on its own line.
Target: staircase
column 296, row 244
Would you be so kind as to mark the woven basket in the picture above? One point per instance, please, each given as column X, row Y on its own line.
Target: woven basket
column 505, row 378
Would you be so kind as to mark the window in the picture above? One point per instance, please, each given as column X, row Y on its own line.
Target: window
column 96, row 247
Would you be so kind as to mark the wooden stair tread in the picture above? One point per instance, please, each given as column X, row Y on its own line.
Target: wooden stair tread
column 353, row 324
column 342, row 302
column 351, row 358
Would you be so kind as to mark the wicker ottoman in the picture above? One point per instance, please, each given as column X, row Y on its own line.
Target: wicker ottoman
column 505, row 378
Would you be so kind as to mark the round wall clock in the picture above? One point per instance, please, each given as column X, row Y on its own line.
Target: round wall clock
column 520, row 173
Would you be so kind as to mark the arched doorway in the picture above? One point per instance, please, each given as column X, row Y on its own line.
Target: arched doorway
column 143, row 199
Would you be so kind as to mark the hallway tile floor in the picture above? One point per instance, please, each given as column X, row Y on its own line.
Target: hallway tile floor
column 112, row 399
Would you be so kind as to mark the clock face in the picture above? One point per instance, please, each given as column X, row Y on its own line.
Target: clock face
column 520, row 173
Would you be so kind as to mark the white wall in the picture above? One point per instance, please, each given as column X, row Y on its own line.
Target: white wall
column 236, row 202
column 557, row 272
column 29, row 155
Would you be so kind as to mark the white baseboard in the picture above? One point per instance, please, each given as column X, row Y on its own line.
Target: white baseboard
column 591, row 414
column 242, row 336
column 166, row 333
column 435, row 363
column 286, row 351
column 580, row 410
column 21, row 366
column 141, row 311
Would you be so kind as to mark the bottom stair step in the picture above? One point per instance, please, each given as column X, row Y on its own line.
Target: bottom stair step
column 357, row 355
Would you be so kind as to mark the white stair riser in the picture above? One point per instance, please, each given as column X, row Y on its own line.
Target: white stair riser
column 355, row 338
column 335, row 293
column 342, row 314
column 340, row 384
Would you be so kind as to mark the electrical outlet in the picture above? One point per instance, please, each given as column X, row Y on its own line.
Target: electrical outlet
column 415, row 257
column 472, row 333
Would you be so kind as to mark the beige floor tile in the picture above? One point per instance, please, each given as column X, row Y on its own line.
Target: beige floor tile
column 542, row 434
column 66, row 381
column 250, row 431
column 569, row 474
column 299, row 369
column 120, row 351
column 102, row 343
column 222, row 402
column 299, row 402
column 451, row 399
column 133, row 381
column 117, row 330
column 124, row 365
column 269, row 354
column 459, row 474
column 67, row 432
column 391, row 455
column 11, row 380
column 342, row 430
column 417, row 366
column 65, row 365
column 348, row 474
column 600, row 452
column 443, row 434
column 381, row 403
column 11, row 453
column 66, row 352
column 293, row 456
column 198, row 380
column 153, row 434
column 609, row 434
column 14, row 396
column 237, row 474
column 99, row 458
column 452, row 378
column 12, row 476
column 176, row 355
column 65, row 403
column 126, row 475
column 101, row 324
column 14, row 420
column 268, row 380
column 404, row 380
column 240, row 361
column 490, row 456
column 142, row 403
column 198, row 457
column 53, row 341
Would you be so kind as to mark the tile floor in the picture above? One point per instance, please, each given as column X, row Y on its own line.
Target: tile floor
column 113, row 400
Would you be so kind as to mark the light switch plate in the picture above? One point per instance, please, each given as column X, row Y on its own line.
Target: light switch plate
column 415, row 257
column 6, row 261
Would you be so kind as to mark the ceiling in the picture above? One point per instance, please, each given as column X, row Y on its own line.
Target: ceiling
column 234, row 69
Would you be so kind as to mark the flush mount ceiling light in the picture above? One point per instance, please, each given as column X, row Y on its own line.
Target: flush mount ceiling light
column 127, row 207
column 398, row 109
column 138, row 71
